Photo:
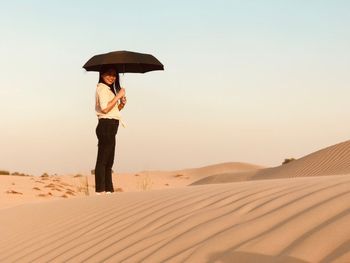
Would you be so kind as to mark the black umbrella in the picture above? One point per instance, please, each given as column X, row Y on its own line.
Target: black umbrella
column 124, row 62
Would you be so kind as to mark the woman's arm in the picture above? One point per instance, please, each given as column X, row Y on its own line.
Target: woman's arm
column 113, row 102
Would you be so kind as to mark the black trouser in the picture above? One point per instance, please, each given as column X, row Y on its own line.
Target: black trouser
column 106, row 131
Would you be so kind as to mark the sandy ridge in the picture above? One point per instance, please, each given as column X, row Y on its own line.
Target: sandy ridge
column 333, row 160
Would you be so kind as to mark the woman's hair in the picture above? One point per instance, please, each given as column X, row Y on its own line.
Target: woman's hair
column 115, row 87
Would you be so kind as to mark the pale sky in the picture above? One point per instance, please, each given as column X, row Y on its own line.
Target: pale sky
column 245, row 81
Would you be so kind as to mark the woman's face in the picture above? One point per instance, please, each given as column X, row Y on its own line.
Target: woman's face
column 109, row 76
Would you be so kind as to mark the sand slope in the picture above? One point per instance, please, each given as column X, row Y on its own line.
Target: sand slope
column 196, row 173
column 285, row 220
column 333, row 160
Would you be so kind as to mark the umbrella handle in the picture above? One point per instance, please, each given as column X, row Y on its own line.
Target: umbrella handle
column 121, row 80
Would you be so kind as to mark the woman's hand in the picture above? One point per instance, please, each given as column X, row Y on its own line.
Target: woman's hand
column 122, row 103
column 121, row 93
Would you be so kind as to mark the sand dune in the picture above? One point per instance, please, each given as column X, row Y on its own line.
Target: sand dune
column 333, row 160
column 297, row 212
column 285, row 220
column 152, row 180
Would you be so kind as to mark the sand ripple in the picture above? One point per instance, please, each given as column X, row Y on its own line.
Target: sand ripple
column 283, row 220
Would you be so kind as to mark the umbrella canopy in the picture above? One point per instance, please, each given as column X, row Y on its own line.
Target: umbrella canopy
column 124, row 62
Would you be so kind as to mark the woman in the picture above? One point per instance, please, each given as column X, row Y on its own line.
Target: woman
column 110, row 99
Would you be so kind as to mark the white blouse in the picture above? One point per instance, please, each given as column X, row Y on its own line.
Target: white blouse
column 103, row 96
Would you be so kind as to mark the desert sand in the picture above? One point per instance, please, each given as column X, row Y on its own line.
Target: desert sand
column 297, row 212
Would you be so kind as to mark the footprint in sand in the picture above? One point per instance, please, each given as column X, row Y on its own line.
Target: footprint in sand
column 49, row 185
column 13, row 192
column 45, row 195
column 39, row 182
column 70, row 192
